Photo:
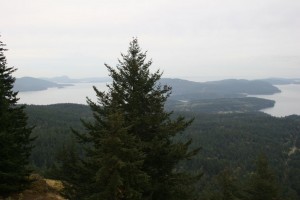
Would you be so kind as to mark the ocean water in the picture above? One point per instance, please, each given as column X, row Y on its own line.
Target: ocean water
column 286, row 103
column 70, row 94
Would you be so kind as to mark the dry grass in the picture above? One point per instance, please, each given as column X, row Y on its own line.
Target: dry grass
column 40, row 189
column 54, row 184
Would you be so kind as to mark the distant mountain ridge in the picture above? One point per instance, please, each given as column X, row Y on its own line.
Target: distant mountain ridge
column 282, row 81
column 66, row 79
column 26, row 84
column 181, row 89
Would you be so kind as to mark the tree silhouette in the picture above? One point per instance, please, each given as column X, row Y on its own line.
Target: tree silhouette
column 15, row 141
column 130, row 150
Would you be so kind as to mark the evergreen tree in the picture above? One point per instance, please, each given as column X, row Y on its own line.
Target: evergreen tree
column 263, row 185
column 15, row 138
column 229, row 189
column 223, row 186
column 70, row 171
column 131, row 153
column 118, row 153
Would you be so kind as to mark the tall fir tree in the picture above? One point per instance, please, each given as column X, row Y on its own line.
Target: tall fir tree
column 131, row 153
column 15, row 141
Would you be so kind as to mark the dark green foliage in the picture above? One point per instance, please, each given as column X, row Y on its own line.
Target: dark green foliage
column 228, row 188
column 263, row 184
column 235, row 140
column 69, row 169
column 116, row 162
column 15, row 138
column 52, row 126
column 111, row 168
column 293, row 172
column 224, row 186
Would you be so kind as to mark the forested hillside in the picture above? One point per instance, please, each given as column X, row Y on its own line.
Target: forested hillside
column 234, row 141
column 229, row 88
column 53, row 129
column 221, row 105
column 231, row 141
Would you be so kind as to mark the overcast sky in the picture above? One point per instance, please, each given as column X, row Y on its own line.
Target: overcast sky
column 191, row 38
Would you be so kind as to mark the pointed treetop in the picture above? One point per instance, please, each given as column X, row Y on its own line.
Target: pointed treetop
column 134, row 47
column 2, row 57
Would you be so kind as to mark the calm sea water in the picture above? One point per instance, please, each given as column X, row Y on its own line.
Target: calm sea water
column 287, row 102
column 69, row 94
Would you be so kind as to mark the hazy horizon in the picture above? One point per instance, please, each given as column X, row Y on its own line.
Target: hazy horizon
column 235, row 39
column 190, row 78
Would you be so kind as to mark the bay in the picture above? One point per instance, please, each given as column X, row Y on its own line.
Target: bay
column 286, row 103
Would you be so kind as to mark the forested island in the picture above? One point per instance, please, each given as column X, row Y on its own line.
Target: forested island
column 29, row 84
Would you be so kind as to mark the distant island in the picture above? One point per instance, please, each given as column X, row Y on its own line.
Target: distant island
column 229, row 88
column 66, row 79
column 26, row 84
column 220, row 106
